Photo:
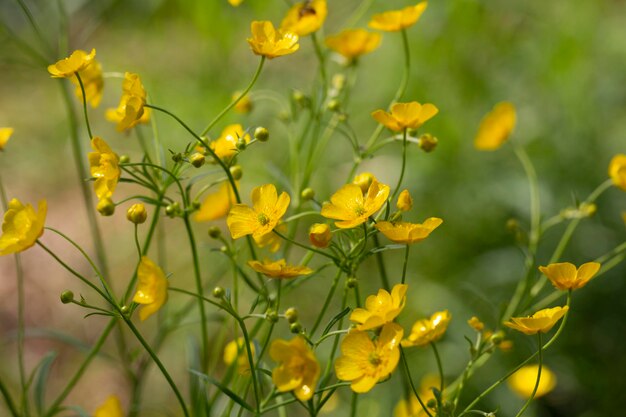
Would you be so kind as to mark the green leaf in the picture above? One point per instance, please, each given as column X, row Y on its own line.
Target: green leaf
column 41, row 379
column 224, row 389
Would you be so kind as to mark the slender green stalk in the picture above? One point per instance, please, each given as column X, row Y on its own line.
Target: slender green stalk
column 381, row 265
column 354, row 404
column 82, row 89
column 304, row 246
column 408, row 373
column 406, row 261
column 8, row 400
column 35, row 27
column 329, row 298
column 532, row 395
column 322, row 62
column 439, row 365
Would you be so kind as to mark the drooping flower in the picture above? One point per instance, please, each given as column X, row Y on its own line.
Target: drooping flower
column 352, row 43
column 364, row 180
column 131, row 110
column 271, row 43
column 151, row 288
column 260, row 219
column 319, row 235
column 67, row 67
column 496, row 127
column 235, row 350
column 617, row 171
column 408, row 233
column 380, row 309
column 271, row 240
column 5, row 135
column 93, row 82
column 405, row 201
column 429, row 330
column 110, row 408
column 104, row 164
column 225, row 147
column 21, row 226
column 405, row 115
column 365, row 362
column 395, row 20
column 523, row 381
column 305, row 17
column 216, row 204
column 542, row 321
column 279, row 269
column 298, row 369
column 352, row 207
column 565, row 276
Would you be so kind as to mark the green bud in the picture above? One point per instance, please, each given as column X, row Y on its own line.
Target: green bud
column 291, row 314
column 215, row 232
column 125, row 309
column 334, row 105
column 271, row 316
column 67, row 297
column 241, row 144
column 197, row 159
column 428, row 142
column 218, row 292
column 172, row 209
column 352, row 282
column 298, row 96
column 236, row 172
column 106, row 207
column 124, row 159
column 307, row 194
column 261, row 134
column 497, row 338
column 177, row 157
column 295, row 328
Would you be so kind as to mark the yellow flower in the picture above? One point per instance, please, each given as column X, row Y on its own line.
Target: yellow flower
column 565, row 276
column 617, row 171
column 352, row 43
column 217, row 204
column 130, row 111
column 365, row 362
column 225, row 147
column 235, row 350
column 364, row 180
column 105, row 168
column 426, row 331
column 5, row 135
column 352, row 207
column 279, row 269
column 271, row 43
column 305, row 18
column 380, row 308
column 412, row 408
column 542, row 321
column 151, row 289
column 235, row 3
column 523, row 381
column 260, row 219
column 319, row 235
column 476, row 324
column 405, row 115
column 407, row 233
column 396, row 20
column 93, row 83
column 495, row 127
column 110, row 408
column 298, row 369
column 405, row 201
column 244, row 105
column 272, row 240
column 21, row 226
column 67, row 67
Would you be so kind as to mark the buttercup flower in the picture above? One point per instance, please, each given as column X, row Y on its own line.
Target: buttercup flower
column 364, row 180
column 396, row 20
column 244, row 105
column 617, row 171
column 67, row 67
column 271, row 43
column 476, row 324
column 279, row 269
column 405, row 201
column 225, row 147
column 319, row 235
column 407, row 233
column 5, row 135
column 271, row 240
column 260, row 219
column 565, row 276
column 380, row 308
column 151, row 289
column 413, row 408
column 523, row 381
column 21, row 226
column 235, row 350
column 351, row 207
column 495, row 127
column 365, row 362
column 110, row 408
column 405, row 115
column 352, row 43
column 235, row 3
column 216, row 204
column 298, row 369
column 130, row 111
column 305, row 18
column 430, row 330
column 104, row 164
column 542, row 321
column 93, row 83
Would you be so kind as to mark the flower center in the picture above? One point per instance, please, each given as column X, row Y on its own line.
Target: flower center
column 359, row 210
column 263, row 219
column 374, row 359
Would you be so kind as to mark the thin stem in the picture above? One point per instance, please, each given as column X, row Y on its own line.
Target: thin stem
column 304, row 246
column 8, row 400
column 354, row 404
column 322, row 62
column 329, row 298
column 381, row 265
column 532, row 395
column 82, row 89
column 403, row 168
column 406, row 261
column 439, row 365
column 408, row 373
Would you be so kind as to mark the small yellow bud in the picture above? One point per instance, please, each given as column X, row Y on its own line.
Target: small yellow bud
column 299, row 97
column 334, row 105
column 215, row 232
column 218, row 292
column 497, row 338
column 244, row 105
column 291, row 314
column 506, row 345
column 428, row 142
column 364, row 180
column 319, row 235
column 125, row 309
column 295, row 328
column 261, row 134
column 67, row 297
column 172, row 209
column 137, row 213
column 197, row 159
column 352, row 282
column 236, row 172
column 405, row 201
column 476, row 324
column 307, row 194
column 338, row 82
column 124, row 159
column 106, row 207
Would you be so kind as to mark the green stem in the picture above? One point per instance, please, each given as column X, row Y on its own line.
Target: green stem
column 408, row 373
column 406, row 261
column 8, row 400
column 532, row 395
column 304, row 246
column 381, row 265
column 439, row 366
column 82, row 89
column 353, row 404
column 329, row 298
column 322, row 62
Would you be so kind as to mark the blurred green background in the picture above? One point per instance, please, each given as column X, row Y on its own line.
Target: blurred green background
column 562, row 63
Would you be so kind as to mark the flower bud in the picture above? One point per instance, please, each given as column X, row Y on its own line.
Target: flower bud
column 405, row 201
column 241, row 144
column 319, row 235
column 195, row 205
column 106, row 207
column 299, row 97
column 215, row 232
column 428, row 142
column 236, row 172
column 261, row 134
column 172, row 209
column 218, row 292
column 177, row 157
column 125, row 309
column 476, row 324
column 295, row 328
column 497, row 338
column 244, row 105
column 307, row 194
column 137, row 213
column 197, row 159
column 334, row 105
column 124, row 159
column 364, row 180
column 338, row 82
column 291, row 314
column 271, row 316
column 67, row 297
column 352, row 282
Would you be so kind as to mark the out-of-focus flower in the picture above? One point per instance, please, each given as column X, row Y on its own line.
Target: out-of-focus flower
column 110, row 408
column 352, row 207
column 413, row 408
column 395, row 20
column 130, row 111
column 405, row 201
column 271, row 43
column 407, row 233
column 319, row 235
column 21, row 226
column 380, row 308
column 225, row 147
column 430, row 330
column 617, row 171
column 272, row 240
column 565, row 276
column 364, row 180
column 93, row 82
column 352, row 43
column 67, row 67
column 476, row 324
column 580, row 212
column 235, row 350
column 244, row 105
column 523, row 381
column 496, row 127
column 305, row 17
column 365, row 362
column 151, row 288
column 279, row 269
column 216, row 204
column 260, row 219
column 104, row 165
column 542, row 321
column 235, row 3
column 298, row 369
column 5, row 135
column 405, row 115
